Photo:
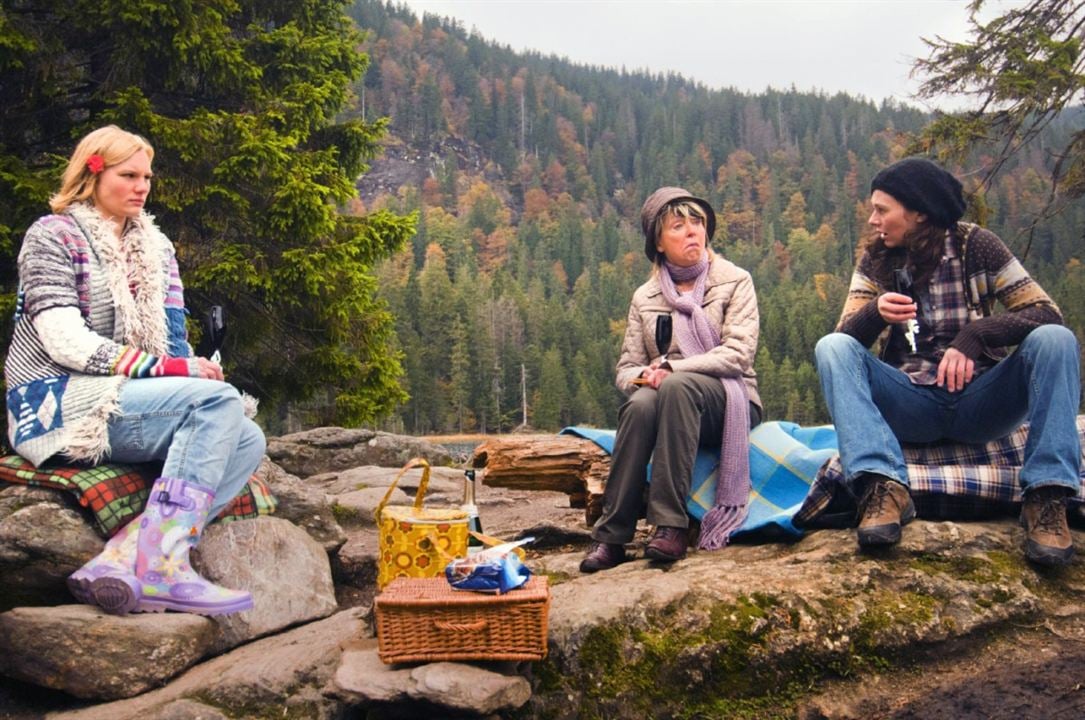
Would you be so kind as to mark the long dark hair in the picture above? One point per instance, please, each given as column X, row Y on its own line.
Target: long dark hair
column 920, row 254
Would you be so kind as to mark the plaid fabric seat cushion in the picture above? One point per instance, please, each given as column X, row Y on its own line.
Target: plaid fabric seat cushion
column 948, row 480
column 116, row 493
column 784, row 460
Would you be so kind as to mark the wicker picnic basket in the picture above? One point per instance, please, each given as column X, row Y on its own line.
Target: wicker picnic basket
column 425, row 620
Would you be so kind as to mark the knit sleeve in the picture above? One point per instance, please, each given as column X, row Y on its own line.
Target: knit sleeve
column 176, row 329
column 46, row 272
column 50, row 299
column 994, row 272
column 47, row 278
column 860, row 317
column 71, row 344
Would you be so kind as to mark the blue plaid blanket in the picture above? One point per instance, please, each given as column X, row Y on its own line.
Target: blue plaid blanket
column 784, row 462
column 798, row 481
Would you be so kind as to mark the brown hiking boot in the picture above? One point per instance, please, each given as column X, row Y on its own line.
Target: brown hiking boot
column 885, row 506
column 1047, row 535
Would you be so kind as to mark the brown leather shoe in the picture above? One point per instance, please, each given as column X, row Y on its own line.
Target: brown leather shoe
column 1047, row 535
column 602, row 556
column 668, row 544
column 885, row 506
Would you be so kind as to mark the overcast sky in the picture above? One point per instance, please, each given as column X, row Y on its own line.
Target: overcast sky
column 862, row 47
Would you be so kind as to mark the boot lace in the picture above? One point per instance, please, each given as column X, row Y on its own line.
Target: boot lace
column 1052, row 512
column 668, row 533
column 875, row 499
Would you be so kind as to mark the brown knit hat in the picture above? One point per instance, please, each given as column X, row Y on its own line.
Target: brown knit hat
column 657, row 202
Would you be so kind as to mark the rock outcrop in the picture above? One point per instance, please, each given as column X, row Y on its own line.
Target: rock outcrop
column 90, row 654
column 808, row 629
column 43, row 539
column 306, row 505
column 363, row 680
column 327, row 449
column 283, row 675
column 753, row 625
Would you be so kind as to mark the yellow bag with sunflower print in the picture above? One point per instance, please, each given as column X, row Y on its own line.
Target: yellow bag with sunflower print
column 416, row 541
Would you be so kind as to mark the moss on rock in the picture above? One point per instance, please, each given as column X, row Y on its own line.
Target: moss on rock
column 345, row 515
column 714, row 669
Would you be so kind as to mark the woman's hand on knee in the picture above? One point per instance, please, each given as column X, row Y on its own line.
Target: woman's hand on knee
column 655, row 377
column 955, row 370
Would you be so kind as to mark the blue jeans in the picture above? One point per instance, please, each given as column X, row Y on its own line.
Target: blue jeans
column 874, row 407
column 196, row 427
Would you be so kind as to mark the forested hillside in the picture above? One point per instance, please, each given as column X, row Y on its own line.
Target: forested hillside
column 531, row 172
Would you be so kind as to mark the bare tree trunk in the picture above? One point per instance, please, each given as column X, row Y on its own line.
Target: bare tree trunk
column 523, row 392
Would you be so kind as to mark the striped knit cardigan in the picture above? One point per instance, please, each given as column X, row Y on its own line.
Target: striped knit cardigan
column 991, row 273
column 130, row 305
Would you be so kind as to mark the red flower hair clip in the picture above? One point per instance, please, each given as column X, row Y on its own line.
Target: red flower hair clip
column 96, row 164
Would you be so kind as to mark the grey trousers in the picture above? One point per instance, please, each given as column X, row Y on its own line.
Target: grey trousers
column 665, row 426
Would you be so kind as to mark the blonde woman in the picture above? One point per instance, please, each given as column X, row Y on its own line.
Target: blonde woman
column 697, row 389
column 100, row 368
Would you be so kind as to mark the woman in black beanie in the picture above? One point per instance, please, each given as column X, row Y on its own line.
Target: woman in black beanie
column 930, row 282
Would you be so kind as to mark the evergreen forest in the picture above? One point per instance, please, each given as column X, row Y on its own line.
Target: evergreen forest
column 513, row 293
column 413, row 227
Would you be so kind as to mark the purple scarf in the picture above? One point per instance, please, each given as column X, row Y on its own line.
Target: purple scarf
column 695, row 336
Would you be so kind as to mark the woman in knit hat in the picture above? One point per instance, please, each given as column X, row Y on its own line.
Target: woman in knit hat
column 946, row 371
column 687, row 366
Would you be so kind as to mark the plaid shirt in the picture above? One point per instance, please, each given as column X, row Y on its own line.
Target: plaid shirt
column 942, row 314
column 976, row 270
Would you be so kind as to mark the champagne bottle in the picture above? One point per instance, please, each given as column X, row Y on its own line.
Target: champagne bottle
column 469, row 507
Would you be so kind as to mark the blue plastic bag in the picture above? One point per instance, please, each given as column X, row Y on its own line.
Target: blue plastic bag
column 497, row 569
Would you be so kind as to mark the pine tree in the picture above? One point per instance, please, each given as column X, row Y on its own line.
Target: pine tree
column 435, row 320
column 1022, row 69
column 551, row 398
column 459, row 388
column 241, row 100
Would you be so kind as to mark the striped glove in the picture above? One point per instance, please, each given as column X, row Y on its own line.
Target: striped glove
column 138, row 364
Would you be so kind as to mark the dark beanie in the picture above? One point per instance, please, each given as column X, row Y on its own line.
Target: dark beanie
column 923, row 186
column 657, row 202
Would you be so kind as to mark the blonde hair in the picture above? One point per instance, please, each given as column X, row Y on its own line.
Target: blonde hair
column 681, row 208
column 113, row 145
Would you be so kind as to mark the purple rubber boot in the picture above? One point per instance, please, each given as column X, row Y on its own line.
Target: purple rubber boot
column 107, row 580
column 169, row 527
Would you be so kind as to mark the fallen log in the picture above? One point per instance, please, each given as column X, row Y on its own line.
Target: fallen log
column 560, row 463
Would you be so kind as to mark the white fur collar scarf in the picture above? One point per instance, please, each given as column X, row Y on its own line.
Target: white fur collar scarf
column 137, row 270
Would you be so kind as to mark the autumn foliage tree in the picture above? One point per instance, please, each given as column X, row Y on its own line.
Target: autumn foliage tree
column 543, row 165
